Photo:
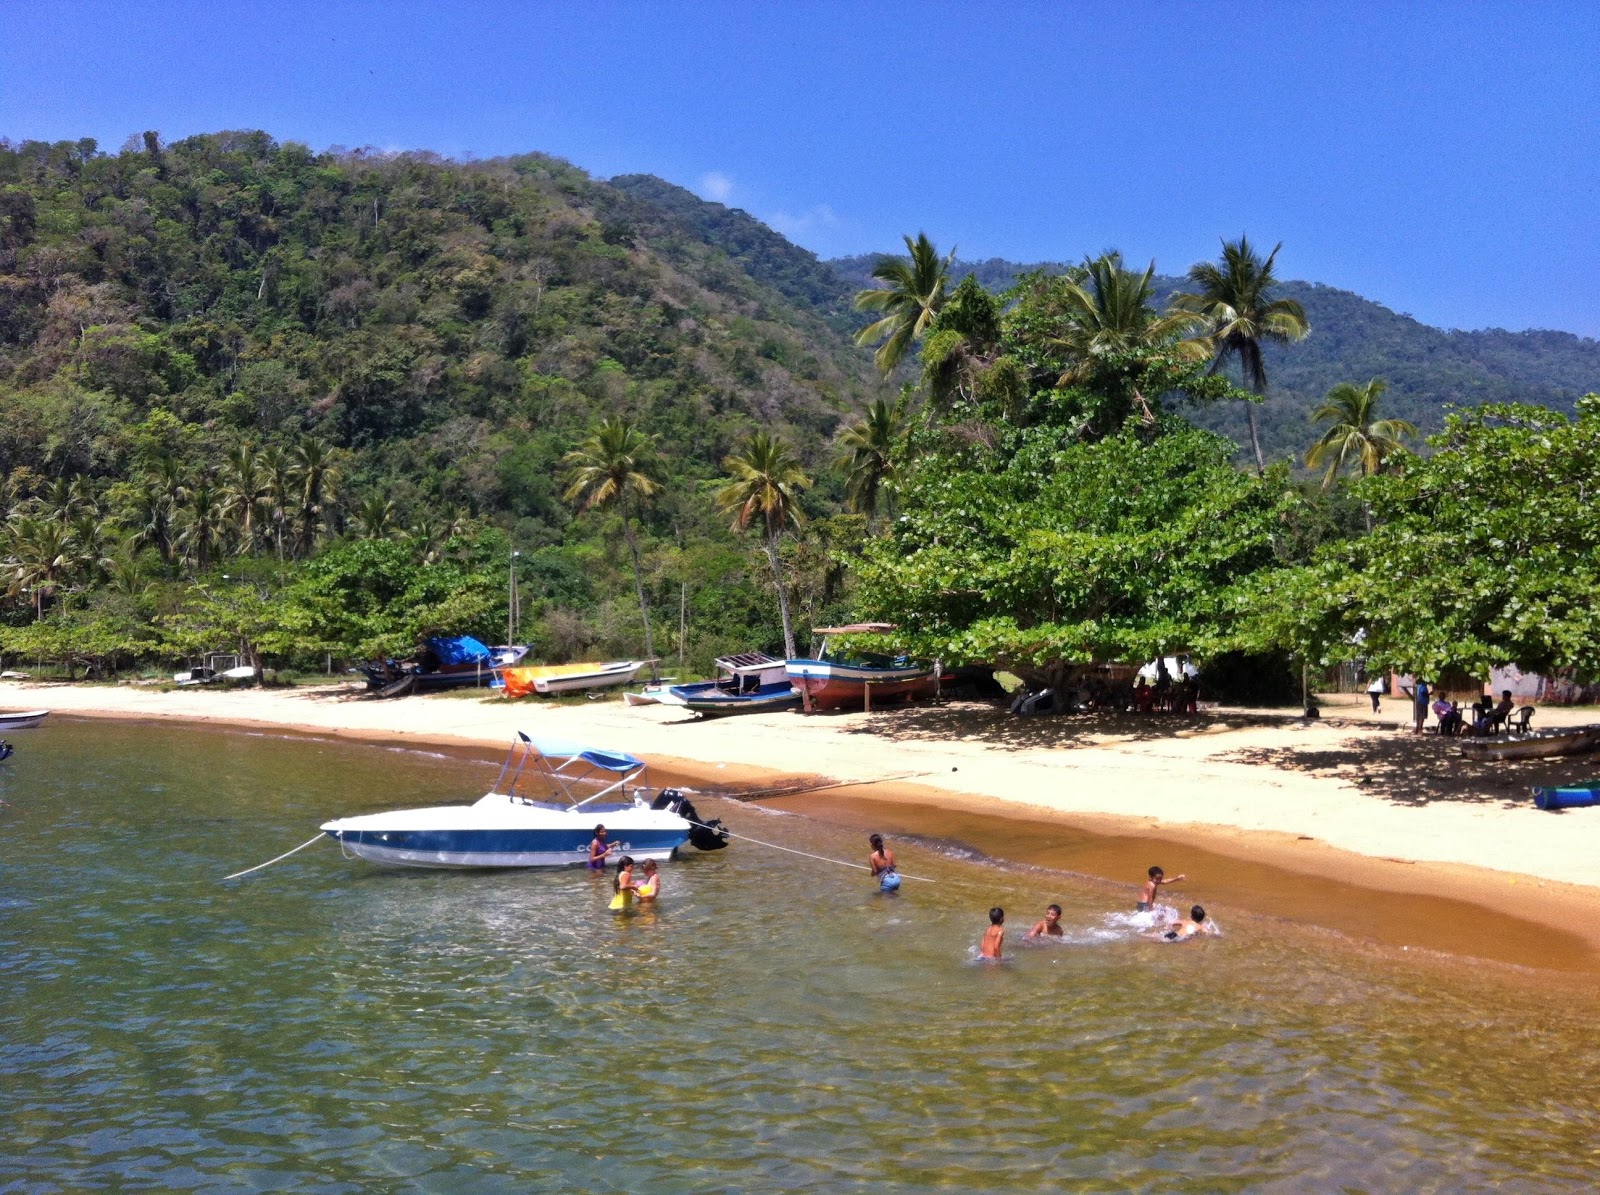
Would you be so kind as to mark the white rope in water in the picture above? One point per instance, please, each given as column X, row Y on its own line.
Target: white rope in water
column 270, row 862
column 806, row 854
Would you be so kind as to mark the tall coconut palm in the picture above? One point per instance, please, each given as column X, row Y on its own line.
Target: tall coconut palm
column 867, row 456
column 277, row 482
column 613, row 469
column 1355, row 435
column 39, row 558
column 765, row 485
column 314, row 476
column 202, row 531
column 244, row 495
column 150, row 519
column 1233, row 305
column 913, row 295
column 375, row 517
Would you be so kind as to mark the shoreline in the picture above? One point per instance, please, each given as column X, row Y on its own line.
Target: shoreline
column 1273, row 824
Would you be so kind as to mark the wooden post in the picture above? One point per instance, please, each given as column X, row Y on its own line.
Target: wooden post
column 866, row 690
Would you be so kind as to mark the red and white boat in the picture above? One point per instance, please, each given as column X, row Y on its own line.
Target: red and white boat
column 835, row 680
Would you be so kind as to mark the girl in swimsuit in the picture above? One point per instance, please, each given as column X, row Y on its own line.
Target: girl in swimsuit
column 881, row 860
column 599, row 848
column 651, row 887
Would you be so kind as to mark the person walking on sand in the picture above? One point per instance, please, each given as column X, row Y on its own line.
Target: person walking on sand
column 994, row 937
column 1375, row 688
column 1147, row 895
column 1050, row 927
column 881, row 861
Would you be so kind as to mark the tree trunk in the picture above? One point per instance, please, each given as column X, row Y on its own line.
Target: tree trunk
column 1255, row 440
column 783, row 596
column 638, row 585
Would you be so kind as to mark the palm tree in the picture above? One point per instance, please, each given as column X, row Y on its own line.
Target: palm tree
column 612, row 467
column 1234, row 305
column 314, row 480
column 40, row 557
column 867, row 456
column 914, row 293
column 1355, row 434
column 149, row 518
column 244, row 494
column 277, row 483
column 1108, row 315
column 766, row 484
column 203, row 523
column 375, row 517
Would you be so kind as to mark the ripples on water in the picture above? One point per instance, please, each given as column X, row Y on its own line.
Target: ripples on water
column 775, row 1025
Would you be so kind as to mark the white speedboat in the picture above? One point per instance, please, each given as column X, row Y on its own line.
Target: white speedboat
column 508, row 827
column 24, row 720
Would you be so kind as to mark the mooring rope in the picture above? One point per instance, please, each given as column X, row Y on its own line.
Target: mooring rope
column 780, row 791
column 806, row 854
column 270, row 862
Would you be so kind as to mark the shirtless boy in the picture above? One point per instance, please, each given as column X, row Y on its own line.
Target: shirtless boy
column 1147, row 896
column 1050, row 927
column 994, row 935
column 1179, row 930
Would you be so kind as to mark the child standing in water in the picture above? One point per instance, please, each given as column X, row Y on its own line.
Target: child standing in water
column 623, row 884
column 599, row 848
column 994, row 936
column 1050, row 927
column 1147, row 897
column 650, row 887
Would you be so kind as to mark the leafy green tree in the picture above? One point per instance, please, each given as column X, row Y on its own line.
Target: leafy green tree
column 1355, row 435
column 613, row 468
column 913, row 293
column 867, row 456
column 1234, row 307
column 766, row 484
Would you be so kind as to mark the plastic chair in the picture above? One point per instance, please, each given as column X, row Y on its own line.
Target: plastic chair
column 1518, row 722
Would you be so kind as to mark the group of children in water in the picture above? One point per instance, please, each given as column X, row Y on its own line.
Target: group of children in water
column 624, row 884
column 1050, row 925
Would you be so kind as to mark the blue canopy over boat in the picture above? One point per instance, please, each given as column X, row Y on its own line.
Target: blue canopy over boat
column 556, row 749
column 458, row 649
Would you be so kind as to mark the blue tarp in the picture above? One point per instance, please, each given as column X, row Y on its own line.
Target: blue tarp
column 458, row 649
column 561, row 752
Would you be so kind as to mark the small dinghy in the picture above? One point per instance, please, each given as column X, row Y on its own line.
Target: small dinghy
column 509, row 827
column 23, row 721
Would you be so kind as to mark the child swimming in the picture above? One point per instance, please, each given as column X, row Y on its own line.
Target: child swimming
column 1179, row 930
column 995, row 936
column 1147, row 895
column 1050, row 927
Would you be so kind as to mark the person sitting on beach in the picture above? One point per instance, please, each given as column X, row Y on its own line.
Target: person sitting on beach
column 599, row 849
column 995, row 935
column 1502, row 710
column 650, row 887
column 1179, row 930
column 1450, row 721
column 1050, row 927
column 1143, row 697
column 1147, row 896
column 881, row 861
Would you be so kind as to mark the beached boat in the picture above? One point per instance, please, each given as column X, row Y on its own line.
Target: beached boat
column 510, row 826
column 1567, row 740
column 24, row 720
column 746, row 683
column 834, row 680
column 445, row 661
column 569, row 678
column 653, row 694
column 1575, row 796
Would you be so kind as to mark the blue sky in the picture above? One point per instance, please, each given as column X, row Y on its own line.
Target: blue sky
column 1440, row 159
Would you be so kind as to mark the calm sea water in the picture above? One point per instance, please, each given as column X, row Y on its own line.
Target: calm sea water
column 331, row 1026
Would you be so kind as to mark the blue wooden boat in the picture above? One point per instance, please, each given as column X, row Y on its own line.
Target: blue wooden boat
column 746, row 684
column 1577, row 796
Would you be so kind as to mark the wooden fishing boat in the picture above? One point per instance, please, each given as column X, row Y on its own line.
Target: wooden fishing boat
column 24, row 720
column 1567, row 740
column 569, row 678
column 834, row 680
column 746, row 683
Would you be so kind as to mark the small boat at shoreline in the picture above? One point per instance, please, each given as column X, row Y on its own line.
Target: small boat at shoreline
column 1568, row 740
column 510, row 827
column 445, row 662
column 835, row 681
column 25, row 720
column 746, row 683
column 546, row 679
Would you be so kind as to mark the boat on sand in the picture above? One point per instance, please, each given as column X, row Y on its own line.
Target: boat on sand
column 540, row 812
column 1566, row 740
column 24, row 720
column 835, row 680
column 746, row 683
column 569, row 678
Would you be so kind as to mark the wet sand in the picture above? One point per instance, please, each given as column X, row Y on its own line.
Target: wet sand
column 1345, row 824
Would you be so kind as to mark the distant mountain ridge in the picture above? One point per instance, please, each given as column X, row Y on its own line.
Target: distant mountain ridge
column 1354, row 339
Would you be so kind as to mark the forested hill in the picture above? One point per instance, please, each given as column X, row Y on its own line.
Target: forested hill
column 454, row 326
column 1356, row 339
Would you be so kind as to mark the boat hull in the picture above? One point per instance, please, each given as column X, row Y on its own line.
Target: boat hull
column 834, row 686
column 1536, row 746
column 23, row 721
column 506, row 834
column 710, row 700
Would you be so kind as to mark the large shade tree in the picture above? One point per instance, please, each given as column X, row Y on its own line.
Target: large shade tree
column 766, row 480
column 613, row 468
column 1233, row 305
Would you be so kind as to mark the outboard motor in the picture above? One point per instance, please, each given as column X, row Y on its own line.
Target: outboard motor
column 704, row 835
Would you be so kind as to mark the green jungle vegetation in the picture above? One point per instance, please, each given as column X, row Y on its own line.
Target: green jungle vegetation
column 313, row 407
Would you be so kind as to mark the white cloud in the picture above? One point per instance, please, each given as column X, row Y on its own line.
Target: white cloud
column 717, row 186
column 813, row 219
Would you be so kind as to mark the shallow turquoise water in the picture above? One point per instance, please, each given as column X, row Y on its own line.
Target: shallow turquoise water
column 331, row 1026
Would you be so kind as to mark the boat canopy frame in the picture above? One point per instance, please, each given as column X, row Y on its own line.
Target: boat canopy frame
column 564, row 765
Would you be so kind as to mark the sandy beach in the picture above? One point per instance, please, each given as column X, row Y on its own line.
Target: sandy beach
column 1349, row 822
